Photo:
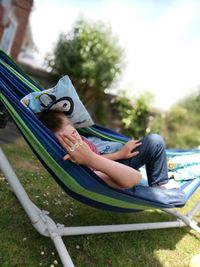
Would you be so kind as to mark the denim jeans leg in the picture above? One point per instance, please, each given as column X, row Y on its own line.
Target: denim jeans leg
column 152, row 154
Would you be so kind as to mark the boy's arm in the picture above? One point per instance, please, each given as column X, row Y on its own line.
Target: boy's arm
column 113, row 156
column 122, row 175
column 126, row 152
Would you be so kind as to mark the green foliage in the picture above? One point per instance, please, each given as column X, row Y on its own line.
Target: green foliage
column 180, row 126
column 192, row 102
column 134, row 116
column 90, row 55
column 182, row 132
column 185, row 121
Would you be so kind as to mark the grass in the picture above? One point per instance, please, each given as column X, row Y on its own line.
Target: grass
column 21, row 245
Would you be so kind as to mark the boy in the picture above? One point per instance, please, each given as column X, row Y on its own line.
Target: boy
column 118, row 169
column 81, row 151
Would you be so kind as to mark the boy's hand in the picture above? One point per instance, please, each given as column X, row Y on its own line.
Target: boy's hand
column 78, row 151
column 128, row 150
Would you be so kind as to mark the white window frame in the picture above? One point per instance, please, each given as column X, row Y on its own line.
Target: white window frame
column 9, row 34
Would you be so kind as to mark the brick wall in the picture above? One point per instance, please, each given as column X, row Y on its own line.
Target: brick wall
column 1, row 20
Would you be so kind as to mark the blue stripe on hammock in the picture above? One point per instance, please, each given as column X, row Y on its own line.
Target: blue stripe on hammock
column 11, row 63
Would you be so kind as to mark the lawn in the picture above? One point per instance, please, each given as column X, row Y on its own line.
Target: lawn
column 21, row 245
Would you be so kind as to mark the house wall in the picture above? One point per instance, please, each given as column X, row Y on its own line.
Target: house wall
column 20, row 9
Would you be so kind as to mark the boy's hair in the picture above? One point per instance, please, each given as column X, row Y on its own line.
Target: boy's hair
column 53, row 120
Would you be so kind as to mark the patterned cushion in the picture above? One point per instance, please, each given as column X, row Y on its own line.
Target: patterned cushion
column 62, row 97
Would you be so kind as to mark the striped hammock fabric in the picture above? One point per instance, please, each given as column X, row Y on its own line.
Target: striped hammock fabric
column 77, row 181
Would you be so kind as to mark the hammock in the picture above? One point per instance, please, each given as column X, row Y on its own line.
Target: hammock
column 77, row 181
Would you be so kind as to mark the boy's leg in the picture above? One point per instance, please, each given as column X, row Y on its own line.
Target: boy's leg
column 152, row 154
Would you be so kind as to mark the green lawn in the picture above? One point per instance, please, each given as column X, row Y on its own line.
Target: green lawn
column 21, row 245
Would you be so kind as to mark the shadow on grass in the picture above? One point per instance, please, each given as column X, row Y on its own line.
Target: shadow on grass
column 136, row 248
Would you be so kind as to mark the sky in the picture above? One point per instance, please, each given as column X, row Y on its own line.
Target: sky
column 161, row 39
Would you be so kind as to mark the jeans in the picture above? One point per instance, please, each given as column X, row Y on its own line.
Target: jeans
column 152, row 154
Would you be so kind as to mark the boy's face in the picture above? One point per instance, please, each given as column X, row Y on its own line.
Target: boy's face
column 68, row 129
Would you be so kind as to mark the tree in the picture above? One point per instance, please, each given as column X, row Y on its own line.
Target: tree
column 91, row 56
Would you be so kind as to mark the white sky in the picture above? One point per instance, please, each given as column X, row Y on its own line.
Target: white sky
column 161, row 39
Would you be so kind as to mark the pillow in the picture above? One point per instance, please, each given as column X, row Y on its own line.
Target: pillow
column 62, row 97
